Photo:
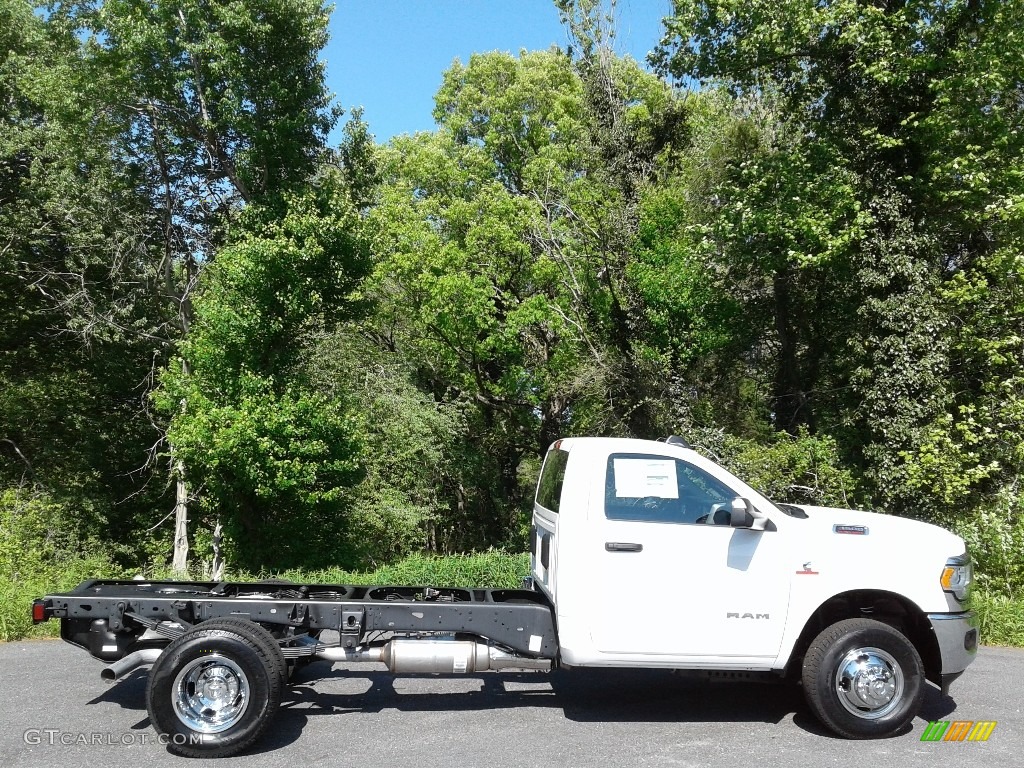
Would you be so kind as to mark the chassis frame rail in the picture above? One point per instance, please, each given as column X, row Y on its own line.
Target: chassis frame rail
column 107, row 616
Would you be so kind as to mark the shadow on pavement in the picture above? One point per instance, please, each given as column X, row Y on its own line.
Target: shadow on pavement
column 590, row 696
column 583, row 695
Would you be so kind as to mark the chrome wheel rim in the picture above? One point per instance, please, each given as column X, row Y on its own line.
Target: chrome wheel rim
column 210, row 694
column 869, row 683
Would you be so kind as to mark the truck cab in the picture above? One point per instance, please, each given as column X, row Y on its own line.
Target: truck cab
column 655, row 556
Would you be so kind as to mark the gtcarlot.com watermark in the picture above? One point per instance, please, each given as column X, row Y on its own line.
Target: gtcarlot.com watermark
column 55, row 737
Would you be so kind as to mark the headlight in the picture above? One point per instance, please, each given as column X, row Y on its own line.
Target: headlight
column 956, row 576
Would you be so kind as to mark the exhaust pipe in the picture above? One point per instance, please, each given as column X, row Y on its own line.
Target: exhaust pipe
column 436, row 657
column 131, row 662
column 351, row 654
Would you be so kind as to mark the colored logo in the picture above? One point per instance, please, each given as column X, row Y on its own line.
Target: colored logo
column 854, row 530
column 958, row 730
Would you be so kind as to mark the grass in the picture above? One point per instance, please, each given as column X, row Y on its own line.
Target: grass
column 493, row 569
column 1000, row 619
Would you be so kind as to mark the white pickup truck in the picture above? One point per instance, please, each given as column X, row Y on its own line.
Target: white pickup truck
column 644, row 554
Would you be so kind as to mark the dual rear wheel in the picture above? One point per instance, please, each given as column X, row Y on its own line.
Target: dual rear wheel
column 215, row 689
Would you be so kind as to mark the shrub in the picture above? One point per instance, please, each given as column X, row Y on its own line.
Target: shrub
column 995, row 541
column 40, row 553
column 801, row 469
column 493, row 569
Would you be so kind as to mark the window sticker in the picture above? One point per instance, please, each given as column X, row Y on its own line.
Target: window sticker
column 637, row 478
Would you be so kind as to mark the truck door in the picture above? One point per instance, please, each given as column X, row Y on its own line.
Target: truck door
column 676, row 579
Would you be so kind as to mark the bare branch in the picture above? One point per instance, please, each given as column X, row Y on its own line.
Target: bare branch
column 19, row 454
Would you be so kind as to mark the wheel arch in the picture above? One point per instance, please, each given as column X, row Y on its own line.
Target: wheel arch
column 888, row 607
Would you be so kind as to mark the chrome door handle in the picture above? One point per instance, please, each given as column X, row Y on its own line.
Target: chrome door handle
column 621, row 546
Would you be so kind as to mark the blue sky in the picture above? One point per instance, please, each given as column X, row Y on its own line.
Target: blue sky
column 388, row 55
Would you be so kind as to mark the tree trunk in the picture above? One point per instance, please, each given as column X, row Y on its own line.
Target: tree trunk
column 180, row 563
column 217, row 567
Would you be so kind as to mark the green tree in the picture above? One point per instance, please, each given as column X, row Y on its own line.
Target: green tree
column 414, row 447
column 272, row 455
column 637, row 127
column 500, row 270
column 896, row 113
column 78, row 315
column 218, row 106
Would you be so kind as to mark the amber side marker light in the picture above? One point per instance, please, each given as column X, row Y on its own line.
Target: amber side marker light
column 957, row 576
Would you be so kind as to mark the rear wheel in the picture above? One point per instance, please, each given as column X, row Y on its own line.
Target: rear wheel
column 863, row 679
column 257, row 634
column 215, row 689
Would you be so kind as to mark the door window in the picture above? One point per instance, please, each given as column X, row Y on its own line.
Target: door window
column 661, row 489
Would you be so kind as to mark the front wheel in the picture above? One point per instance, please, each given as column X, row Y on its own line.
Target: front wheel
column 863, row 679
column 213, row 691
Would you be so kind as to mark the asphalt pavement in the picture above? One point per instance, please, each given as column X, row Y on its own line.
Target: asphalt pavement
column 55, row 711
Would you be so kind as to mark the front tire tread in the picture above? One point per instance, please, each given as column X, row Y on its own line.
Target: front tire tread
column 820, row 667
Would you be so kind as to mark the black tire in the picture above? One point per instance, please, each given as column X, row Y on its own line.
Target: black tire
column 184, row 683
column 289, row 667
column 259, row 635
column 863, row 679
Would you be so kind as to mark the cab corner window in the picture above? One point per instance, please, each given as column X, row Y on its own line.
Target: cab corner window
column 549, row 489
column 661, row 489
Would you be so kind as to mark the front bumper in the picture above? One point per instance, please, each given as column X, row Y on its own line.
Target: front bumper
column 957, row 638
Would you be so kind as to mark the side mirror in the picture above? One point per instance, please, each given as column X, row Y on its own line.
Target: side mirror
column 742, row 514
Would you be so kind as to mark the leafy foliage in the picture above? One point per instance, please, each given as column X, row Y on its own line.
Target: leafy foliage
column 272, row 456
column 995, row 538
column 77, row 312
column 411, row 446
column 41, row 552
column 877, row 264
column 810, row 267
column 800, row 469
column 500, row 271
column 229, row 95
